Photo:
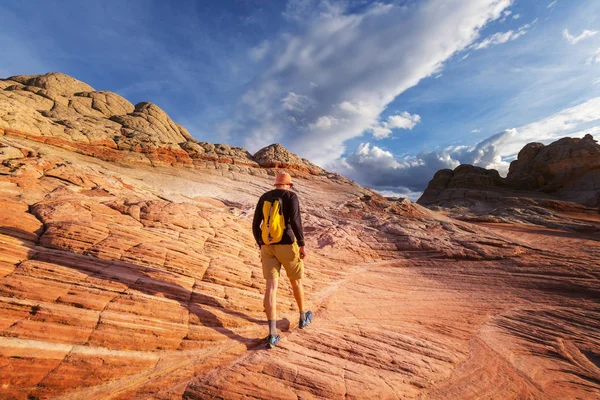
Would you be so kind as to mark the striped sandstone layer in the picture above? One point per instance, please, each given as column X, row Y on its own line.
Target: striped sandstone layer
column 137, row 280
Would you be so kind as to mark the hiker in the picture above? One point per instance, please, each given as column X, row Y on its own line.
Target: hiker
column 277, row 229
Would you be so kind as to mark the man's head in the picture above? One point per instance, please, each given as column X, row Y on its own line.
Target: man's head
column 283, row 181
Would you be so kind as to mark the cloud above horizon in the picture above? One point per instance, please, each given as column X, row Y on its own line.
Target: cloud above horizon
column 380, row 169
column 391, row 83
column 334, row 80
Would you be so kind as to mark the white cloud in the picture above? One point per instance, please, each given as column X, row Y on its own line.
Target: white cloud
column 380, row 169
column 552, row 4
column 296, row 102
column 575, row 39
column 350, row 67
column 516, row 16
column 374, row 156
column 497, row 38
column 595, row 59
column 326, row 122
column 259, row 52
column 402, row 120
column 505, row 15
column 502, row 37
column 476, row 131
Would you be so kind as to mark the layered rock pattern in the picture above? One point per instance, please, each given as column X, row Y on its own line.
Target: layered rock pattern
column 277, row 156
column 60, row 110
column 145, row 282
column 127, row 284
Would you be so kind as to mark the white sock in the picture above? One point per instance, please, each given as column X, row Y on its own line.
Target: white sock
column 273, row 327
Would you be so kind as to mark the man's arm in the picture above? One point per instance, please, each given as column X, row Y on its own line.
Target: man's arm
column 258, row 217
column 296, row 221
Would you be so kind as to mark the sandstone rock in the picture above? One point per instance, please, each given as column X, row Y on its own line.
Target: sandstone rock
column 72, row 114
column 552, row 165
column 193, row 148
column 145, row 282
column 561, row 167
column 7, row 83
column 523, row 175
column 108, row 103
column 9, row 152
column 29, row 96
column 15, row 115
column 149, row 126
column 130, row 279
column 56, row 81
column 277, row 156
column 436, row 186
column 219, row 153
column 62, row 111
column 567, row 169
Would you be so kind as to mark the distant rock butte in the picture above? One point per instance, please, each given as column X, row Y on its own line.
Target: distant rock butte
column 62, row 111
column 277, row 156
column 568, row 169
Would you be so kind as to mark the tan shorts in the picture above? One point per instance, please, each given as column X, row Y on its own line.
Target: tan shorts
column 273, row 256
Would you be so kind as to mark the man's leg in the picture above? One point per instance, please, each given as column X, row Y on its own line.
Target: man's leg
column 298, row 290
column 306, row 317
column 270, row 304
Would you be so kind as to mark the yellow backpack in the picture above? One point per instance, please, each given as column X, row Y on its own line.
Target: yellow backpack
column 273, row 224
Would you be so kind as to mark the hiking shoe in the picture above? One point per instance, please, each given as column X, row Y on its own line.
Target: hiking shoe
column 272, row 341
column 308, row 317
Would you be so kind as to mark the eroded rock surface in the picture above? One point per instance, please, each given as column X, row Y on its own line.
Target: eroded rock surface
column 543, row 180
column 277, row 156
column 568, row 169
column 60, row 110
column 135, row 284
column 145, row 282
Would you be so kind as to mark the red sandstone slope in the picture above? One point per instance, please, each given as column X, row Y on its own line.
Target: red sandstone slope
column 130, row 281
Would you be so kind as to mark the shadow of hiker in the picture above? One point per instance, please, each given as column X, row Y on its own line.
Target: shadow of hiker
column 137, row 278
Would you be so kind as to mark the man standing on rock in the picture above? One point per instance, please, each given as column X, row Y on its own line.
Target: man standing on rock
column 281, row 243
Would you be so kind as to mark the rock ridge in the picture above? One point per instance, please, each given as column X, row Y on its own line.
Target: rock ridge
column 62, row 111
column 567, row 169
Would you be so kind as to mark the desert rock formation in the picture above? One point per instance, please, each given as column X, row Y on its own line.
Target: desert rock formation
column 60, row 110
column 277, row 156
column 128, row 271
column 568, row 169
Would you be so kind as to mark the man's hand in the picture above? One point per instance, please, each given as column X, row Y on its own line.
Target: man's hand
column 302, row 252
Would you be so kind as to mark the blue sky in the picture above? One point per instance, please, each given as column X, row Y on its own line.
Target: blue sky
column 384, row 92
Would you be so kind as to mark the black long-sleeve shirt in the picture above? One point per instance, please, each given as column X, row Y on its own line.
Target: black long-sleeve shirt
column 291, row 215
